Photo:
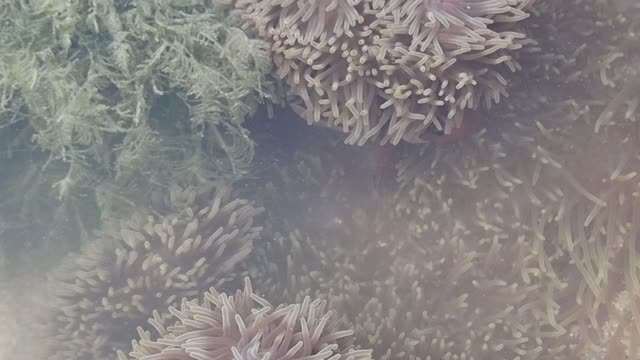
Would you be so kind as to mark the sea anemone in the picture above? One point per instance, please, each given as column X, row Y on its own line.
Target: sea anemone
column 619, row 333
column 566, row 195
column 559, row 173
column 446, row 295
column 391, row 68
column 453, row 290
column 246, row 326
column 189, row 241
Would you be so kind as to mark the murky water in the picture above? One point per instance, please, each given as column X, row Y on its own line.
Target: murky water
column 457, row 183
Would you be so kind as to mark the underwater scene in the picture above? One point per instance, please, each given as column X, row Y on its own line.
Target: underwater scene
column 320, row 179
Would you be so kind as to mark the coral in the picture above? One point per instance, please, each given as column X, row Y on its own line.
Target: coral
column 189, row 241
column 390, row 68
column 246, row 326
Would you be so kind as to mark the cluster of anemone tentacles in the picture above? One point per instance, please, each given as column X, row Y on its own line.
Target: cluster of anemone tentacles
column 388, row 69
column 519, row 243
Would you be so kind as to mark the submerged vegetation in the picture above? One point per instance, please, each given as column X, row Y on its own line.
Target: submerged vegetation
column 120, row 96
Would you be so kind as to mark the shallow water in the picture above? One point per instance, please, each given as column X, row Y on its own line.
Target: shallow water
column 519, row 238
